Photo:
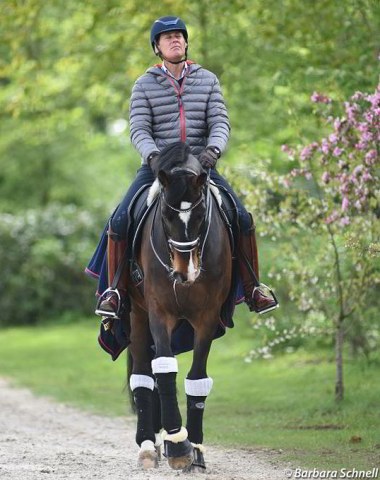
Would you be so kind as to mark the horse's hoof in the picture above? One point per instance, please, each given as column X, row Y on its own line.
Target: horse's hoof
column 180, row 455
column 180, row 463
column 148, row 459
column 198, row 465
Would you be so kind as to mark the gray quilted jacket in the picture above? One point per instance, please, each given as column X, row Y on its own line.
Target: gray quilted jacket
column 163, row 112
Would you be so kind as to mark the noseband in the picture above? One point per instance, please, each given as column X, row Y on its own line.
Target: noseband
column 183, row 247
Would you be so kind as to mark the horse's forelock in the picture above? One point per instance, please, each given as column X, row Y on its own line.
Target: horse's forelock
column 176, row 156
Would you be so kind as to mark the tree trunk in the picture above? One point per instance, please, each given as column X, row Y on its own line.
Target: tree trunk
column 339, row 337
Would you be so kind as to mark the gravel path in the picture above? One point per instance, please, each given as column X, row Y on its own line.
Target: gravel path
column 41, row 439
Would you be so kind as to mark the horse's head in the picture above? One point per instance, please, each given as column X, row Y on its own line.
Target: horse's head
column 183, row 210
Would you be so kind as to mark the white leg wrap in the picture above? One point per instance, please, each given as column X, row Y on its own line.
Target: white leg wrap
column 198, row 388
column 147, row 445
column 175, row 437
column 164, row 365
column 137, row 381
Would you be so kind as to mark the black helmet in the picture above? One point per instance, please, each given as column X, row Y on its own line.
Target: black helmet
column 167, row 24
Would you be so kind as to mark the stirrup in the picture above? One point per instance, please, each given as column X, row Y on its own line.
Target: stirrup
column 263, row 310
column 107, row 313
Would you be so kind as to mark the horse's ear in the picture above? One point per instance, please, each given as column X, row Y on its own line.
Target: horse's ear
column 163, row 178
column 201, row 179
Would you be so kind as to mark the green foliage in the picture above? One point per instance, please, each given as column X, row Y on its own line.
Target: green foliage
column 43, row 255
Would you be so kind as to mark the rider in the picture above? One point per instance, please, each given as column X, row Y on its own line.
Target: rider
column 180, row 100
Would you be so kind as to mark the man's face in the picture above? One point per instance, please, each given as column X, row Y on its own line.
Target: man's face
column 172, row 45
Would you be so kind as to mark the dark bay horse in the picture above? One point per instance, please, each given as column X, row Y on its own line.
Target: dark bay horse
column 185, row 257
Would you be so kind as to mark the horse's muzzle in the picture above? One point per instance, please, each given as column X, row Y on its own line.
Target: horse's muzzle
column 186, row 266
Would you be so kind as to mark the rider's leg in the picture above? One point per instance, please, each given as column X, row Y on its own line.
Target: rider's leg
column 256, row 298
column 117, row 243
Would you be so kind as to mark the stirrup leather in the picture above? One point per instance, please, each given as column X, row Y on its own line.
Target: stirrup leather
column 263, row 310
column 107, row 313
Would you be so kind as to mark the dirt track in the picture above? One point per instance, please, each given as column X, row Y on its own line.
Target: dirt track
column 41, row 439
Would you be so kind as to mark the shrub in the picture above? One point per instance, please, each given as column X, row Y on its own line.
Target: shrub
column 43, row 254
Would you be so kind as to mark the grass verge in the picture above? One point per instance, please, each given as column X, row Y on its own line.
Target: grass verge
column 285, row 404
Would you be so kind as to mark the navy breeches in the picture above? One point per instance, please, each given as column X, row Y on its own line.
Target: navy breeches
column 119, row 221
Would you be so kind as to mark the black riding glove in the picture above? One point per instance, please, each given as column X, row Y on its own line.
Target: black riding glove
column 209, row 157
column 151, row 159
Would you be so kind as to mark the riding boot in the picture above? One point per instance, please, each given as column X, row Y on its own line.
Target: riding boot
column 255, row 293
column 114, row 298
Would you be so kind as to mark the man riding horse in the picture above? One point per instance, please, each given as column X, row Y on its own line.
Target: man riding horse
column 178, row 100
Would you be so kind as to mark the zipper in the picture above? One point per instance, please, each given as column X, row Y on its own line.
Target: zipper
column 182, row 120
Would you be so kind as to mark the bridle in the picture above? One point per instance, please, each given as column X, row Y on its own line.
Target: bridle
column 185, row 247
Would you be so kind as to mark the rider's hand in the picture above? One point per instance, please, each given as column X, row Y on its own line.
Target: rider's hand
column 209, row 157
column 151, row 159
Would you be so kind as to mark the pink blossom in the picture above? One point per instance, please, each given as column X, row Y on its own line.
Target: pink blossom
column 288, row 150
column 367, row 177
column 374, row 99
column 337, row 152
column 362, row 127
column 337, row 124
column 361, row 145
column 319, row 98
column 306, row 153
column 325, row 147
column 367, row 137
column 370, row 157
column 357, row 96
column 351, row 111
column 344, row 221
column 344, row 188
column 333, row 138
column 345, row 204
column 326, row 177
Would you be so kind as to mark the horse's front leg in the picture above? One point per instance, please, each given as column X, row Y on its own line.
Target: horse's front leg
column 178, row 448
column 141, row 383
column 198, row 386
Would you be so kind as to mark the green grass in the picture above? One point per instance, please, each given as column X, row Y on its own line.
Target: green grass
column 286, row 403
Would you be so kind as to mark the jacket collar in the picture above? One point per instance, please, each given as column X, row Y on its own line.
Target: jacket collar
column 157, row 70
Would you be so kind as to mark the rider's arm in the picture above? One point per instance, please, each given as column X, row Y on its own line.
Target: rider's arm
column 217, row 119
column 140, row 122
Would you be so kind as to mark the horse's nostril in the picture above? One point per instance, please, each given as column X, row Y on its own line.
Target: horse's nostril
column 179, row 277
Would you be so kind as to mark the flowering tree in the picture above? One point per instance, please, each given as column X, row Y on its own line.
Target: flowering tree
column 328, row 209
